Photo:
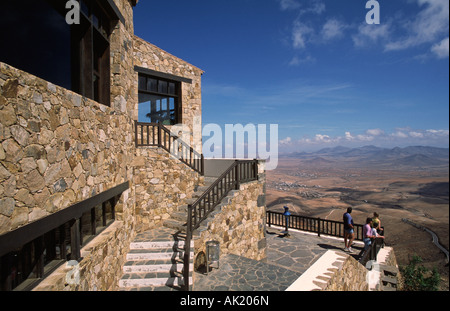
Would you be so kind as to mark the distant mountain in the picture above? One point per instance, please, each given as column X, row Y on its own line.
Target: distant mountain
column 413, row 156
column 318, row 161
column 418, row 160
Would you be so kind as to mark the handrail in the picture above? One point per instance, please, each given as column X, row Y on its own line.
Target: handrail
column 240, row 171
column 157, row 135
column 311, row 224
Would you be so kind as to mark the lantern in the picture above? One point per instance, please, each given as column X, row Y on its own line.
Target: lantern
column 212, row 254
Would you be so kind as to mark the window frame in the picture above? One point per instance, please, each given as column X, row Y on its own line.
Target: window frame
column 91, row 64
column 176, row 95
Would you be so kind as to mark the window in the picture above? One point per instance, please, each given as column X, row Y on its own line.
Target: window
column 159, row 100
column 24, row 264
column 91, row 63
column 76, row 57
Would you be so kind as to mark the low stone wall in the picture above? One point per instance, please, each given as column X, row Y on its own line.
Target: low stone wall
column 162, row 183
column 239, row 226
column 349, row 275
column 100, row 267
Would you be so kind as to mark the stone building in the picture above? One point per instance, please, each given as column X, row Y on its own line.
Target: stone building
column 89, row 153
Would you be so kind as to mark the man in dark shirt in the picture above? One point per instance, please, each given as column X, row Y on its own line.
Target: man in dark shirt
column 349, row 235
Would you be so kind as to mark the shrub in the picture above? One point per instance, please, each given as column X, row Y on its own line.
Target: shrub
column 416, row 277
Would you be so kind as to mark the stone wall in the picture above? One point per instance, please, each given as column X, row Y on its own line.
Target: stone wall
column 162, row 184
column 57, row 148
column 148, row 56
column 348, row 275
column 101, row 267
column 239, row 225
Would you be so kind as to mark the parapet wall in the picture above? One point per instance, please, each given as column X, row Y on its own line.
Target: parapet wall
column 238, row 224
column 348, row 275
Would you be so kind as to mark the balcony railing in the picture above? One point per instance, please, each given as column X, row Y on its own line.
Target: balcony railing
column 310, row 224
column 326, row 227
column 157, row 135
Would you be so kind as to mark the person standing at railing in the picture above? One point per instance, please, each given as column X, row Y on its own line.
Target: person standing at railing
column 367, row 233
column 376, row 223
column 349, row 232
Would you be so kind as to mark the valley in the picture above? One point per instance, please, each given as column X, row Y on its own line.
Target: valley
column 324, row 184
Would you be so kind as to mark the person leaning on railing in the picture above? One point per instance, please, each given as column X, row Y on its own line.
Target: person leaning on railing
column 367, row 233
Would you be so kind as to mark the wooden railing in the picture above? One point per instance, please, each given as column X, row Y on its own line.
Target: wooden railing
column 240, row 171
column 310, row 224
column 157, row 135
column 30, row 253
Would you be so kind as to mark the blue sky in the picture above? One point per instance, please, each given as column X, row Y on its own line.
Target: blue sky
column 314, row 67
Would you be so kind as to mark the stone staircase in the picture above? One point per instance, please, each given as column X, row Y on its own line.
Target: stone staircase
column 156, row 262
column 389, row 278
column 156, row 257
column 179, row 218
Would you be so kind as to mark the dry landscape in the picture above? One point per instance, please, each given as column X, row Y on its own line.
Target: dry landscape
column 324, row 186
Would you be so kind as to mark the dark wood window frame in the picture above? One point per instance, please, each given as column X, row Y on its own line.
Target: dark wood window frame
column 161, row 90
column 91, row 52
column 78, row 57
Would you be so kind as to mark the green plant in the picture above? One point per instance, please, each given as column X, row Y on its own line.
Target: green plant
column 418, row 278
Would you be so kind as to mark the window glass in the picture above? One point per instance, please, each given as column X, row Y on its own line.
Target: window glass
column 155, row 101
column 86, row 227
column 99, row 217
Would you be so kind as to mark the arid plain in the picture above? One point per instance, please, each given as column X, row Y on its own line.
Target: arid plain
column 325, row 185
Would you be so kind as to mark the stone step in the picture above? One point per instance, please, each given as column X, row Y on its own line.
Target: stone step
column 155, row 266
column 389, row 279
column 209, row 180
column 154, row 254
column 151, row 279
column 180, row 216
column 389, row 270
column 159, row 244
column 175, row 224
column 388, row 289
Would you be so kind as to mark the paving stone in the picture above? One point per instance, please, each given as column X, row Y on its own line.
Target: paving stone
column 287, row 259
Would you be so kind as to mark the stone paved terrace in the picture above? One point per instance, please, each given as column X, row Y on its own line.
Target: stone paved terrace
column 287, row 259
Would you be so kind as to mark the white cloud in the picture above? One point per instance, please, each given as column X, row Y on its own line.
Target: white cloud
column 369, row 34
column 296, row 61
column 428, row 26
column 348, row 136
column 399, row 134
column 286, row 141
column 289, row 5
column 400, row 137
column 416, row 134
column 317, row 7
column 375, row 132
column 332, row 29
column 441, row 49
column 300, row 32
